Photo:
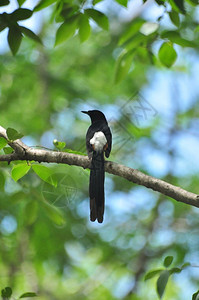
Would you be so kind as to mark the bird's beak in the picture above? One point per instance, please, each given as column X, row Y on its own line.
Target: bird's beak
column 84, row 112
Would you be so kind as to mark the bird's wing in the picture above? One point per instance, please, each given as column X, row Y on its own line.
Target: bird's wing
column 108, row 135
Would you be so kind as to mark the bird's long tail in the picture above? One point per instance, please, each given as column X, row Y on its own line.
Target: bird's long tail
column 96, row 187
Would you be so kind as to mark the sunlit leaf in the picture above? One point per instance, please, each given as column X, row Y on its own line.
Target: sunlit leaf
column 46, row 174
column 21, row 2
column 84, row 28
column 167, row 55
column 132, row 29
column 66, row 30
column 8, row 150
column 53, row 213
column 152, row 274
column 174, row 17
column 3, row 142
column 96, row 1
column 138, row 39
column 13, row 134
column 18, row 171
column 74, row 152
column 59, row 145
column 168, row 261
column 123, row 65
column 98, row 17
column 44, row 3
column 162, row 282
column 175, row 37
column 21, row 14
column 123, row 2
column 14, row 39
column 29, row 33
column 28, row 294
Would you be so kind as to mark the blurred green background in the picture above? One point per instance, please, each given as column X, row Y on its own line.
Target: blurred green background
column 154, row 116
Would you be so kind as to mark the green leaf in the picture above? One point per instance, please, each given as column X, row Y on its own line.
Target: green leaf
column 168, row 261
column 135, row 41
column 66, row 30
column 175, row 37
column 18, row 197
column 193, row 2
column 152, row 274
column 43, row 4
column 162, row 282
column 21, row 2
column 178, row 5
column 132, row 29
column 98, row 17
column 3, row 142
column 123, row 65
column 66, row 10
column 59, row 145
column 7, row 292
column 74, row 152
column 8, row 150
column 28, row 294
column 123, row 2
column 96, row 1
column 167, row 55
column 185, row 265
column 175, row 270
column 4, row 2
column 21, row 14
column 84, row 28
column 195, row 296
column 53, row 213
column 30, row 213
column 13, row 134
column 14, row 39
column 18, row 171
column 46, row 174
column 174, row 17
column 2, row 181
column 29, row 33
column 160, row 2
column 3, row 24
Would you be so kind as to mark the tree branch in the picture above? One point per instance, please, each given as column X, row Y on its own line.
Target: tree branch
column 23, row 152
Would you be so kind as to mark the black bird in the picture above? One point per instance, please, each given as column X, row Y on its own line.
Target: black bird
column 98, row 141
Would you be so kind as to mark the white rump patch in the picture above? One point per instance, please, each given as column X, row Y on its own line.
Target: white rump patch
column 99, row 141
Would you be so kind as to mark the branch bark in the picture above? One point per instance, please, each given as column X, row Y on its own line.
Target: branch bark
column 23, row 152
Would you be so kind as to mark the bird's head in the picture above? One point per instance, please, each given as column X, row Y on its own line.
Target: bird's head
column 95, row 115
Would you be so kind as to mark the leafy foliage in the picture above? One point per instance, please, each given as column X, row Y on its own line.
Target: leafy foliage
column 13, row 134
column 45, row 232
column 164, row 275
column 18, row 171
column 76, row 16
column 167, row 54
column 6, row 293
